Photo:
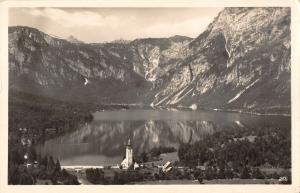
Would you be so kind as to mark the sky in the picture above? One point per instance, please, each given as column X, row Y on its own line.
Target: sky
column 93, row 25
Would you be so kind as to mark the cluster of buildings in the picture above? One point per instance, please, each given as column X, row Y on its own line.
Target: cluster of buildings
column 128, row 161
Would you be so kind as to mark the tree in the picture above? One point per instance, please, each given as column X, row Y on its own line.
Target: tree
column 120, row 178
column 57, row 166
column 161, row 175
column 183, row 151
column 68, row 179
column 32, row 155
column 245, row 173
column 13, row 176
column 228, row 173
column 99, row 174
column 16, row 156
column 50, row 166
column 144, row 157
column 156, row 176
column 198, row 173
column 44, row 161
column 25, row 179
column 39, row 158
column 95, row 176
column 209, row 173
column 221, row 173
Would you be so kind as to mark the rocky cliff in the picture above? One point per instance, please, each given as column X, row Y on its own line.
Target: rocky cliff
column 240, row 62
column 118, row 72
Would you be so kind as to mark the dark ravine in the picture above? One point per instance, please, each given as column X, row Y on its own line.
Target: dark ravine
column 242, row 61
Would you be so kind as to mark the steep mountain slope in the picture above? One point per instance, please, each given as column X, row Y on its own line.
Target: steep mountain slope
column 41, row 64
column 240, row 62
column 118, row 72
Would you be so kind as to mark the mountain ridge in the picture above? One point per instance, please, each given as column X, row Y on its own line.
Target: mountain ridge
column 237, row 62
column 228, row 66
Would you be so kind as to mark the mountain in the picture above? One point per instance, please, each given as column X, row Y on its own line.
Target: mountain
column 73, row 39
column 120, row 41
column 45, row 65
column 240, row 62
column 114, row 72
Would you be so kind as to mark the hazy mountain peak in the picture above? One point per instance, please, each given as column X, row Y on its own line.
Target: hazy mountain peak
column 73, row 39
column 179, row 38
column 121, row 41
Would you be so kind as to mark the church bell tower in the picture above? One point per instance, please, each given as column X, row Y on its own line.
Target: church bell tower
column 128, row 160
column 129, row 156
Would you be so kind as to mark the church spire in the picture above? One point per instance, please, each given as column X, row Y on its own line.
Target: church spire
column 129, row 142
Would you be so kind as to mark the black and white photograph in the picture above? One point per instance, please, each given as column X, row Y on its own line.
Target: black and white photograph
column 149, row 96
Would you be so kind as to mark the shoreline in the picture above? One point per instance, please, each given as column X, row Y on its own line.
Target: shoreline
column 125, row 107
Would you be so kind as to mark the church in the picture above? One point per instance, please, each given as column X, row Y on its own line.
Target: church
column 128, row 160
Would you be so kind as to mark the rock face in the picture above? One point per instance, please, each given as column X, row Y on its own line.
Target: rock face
column 118, row 72
column 45, row 65
column 241, row 61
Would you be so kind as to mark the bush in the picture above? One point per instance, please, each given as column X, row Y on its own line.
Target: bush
column 275, row 175
column 200, row 180
column 257, row 174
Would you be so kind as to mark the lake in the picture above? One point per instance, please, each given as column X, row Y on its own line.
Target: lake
column 103, row 141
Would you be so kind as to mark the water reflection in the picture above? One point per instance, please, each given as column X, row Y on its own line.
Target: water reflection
column 102, row 141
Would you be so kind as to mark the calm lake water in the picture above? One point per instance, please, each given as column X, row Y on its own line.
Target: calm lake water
column 102, row 142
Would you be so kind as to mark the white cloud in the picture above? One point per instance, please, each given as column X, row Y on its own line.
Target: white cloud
column 75, row 19
column 194, row 26
column 107, row 24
